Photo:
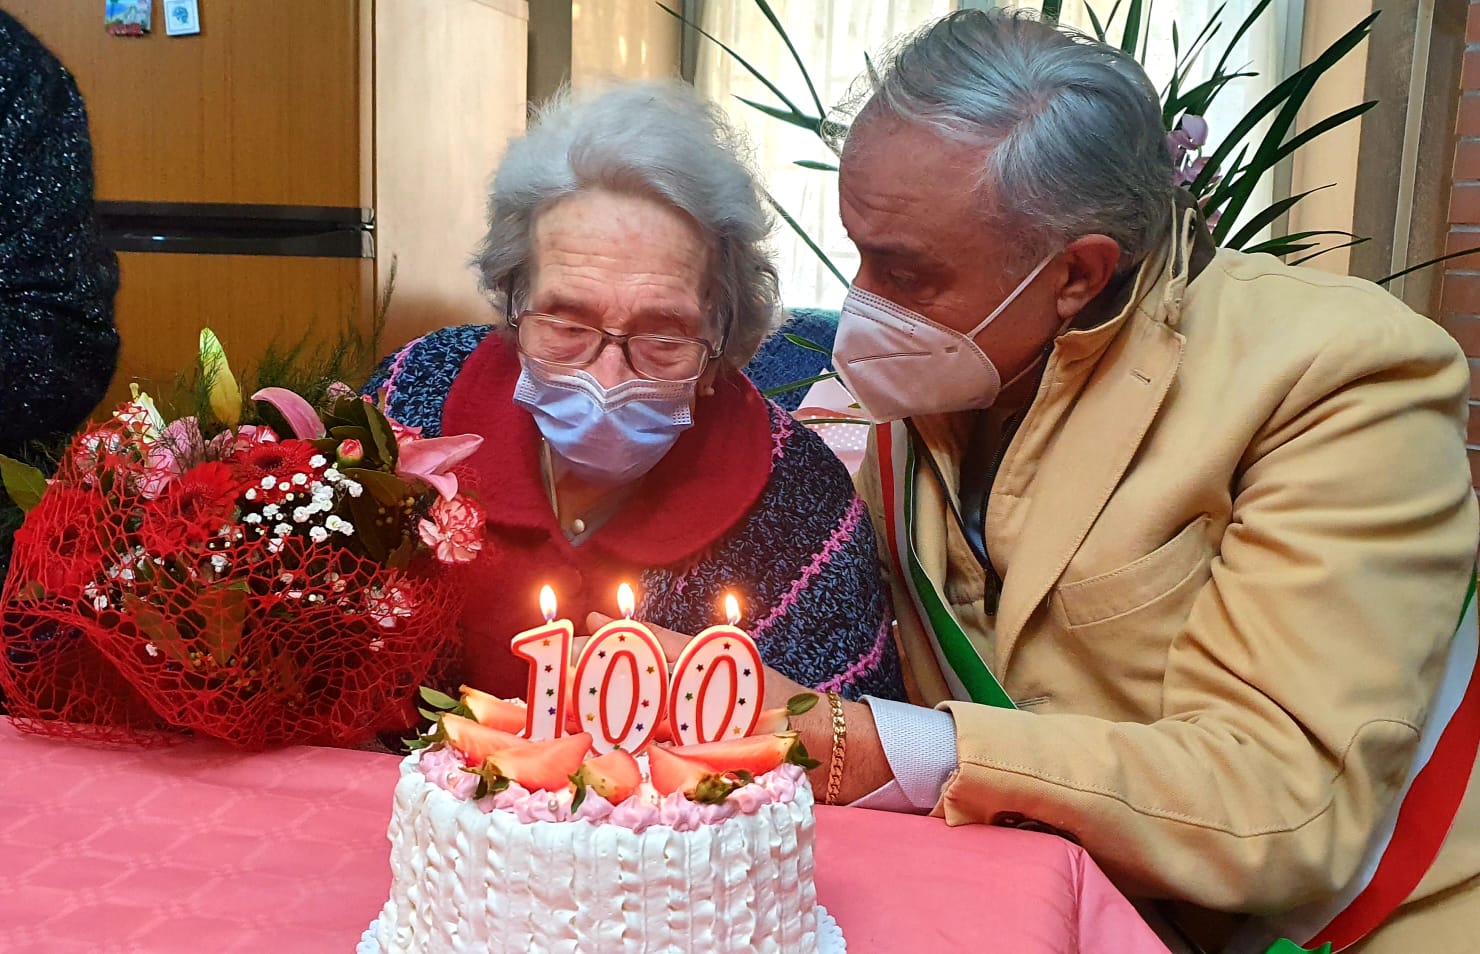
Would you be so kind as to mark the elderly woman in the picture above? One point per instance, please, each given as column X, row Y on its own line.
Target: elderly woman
column 623, row 443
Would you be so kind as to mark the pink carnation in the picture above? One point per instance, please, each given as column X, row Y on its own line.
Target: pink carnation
column 454, row 530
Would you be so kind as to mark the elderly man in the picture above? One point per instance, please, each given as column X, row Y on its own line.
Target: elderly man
column 1204, row 518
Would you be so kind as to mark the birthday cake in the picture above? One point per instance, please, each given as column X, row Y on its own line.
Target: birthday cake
column 499, row 843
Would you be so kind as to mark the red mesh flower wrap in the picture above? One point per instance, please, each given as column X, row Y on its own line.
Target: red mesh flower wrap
column 244, row 589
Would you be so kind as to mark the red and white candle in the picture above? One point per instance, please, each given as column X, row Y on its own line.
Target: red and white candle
column 717, row 683
column 547, row 648
column 620, row 682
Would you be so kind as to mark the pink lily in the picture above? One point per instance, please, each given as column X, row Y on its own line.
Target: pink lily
column 431, row 460
column 299, row 414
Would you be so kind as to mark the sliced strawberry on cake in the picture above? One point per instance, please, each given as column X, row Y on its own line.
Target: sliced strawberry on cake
column 476, row 741
column 493, row 712
column 755, row 754
column 671, row 773
column 545, row 765
column 614, row 776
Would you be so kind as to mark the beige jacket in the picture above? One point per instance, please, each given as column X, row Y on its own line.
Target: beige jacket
column 1235, row 531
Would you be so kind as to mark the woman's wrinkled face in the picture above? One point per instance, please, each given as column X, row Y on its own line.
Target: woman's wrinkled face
column 623, row 263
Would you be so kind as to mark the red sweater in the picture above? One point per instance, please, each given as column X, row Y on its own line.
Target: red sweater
column 701, row 489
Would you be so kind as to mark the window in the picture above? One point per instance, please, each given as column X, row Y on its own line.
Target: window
column 832, row 36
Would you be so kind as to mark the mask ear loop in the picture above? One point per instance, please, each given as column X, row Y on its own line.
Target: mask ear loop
column 1012, row 296
column 1185, row 226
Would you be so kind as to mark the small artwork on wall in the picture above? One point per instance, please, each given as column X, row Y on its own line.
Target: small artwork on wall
column 181, row 17
column 127, row 17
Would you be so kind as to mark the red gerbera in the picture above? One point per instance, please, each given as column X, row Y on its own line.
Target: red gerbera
column 197, row 504
column 282, row 460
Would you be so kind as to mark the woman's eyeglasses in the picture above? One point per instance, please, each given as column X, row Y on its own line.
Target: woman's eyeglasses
column 571, row 344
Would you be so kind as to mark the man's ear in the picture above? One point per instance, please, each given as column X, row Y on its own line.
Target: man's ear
column 1091, row 262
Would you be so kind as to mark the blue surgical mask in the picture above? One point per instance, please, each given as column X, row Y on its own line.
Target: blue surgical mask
column 605, row 436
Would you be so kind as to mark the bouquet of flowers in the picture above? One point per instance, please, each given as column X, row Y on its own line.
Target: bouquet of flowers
column 260, row 585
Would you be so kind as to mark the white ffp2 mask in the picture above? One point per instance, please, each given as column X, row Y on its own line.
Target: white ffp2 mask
column 899, row 364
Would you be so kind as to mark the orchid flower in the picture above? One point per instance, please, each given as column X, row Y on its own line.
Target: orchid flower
column 431, row 460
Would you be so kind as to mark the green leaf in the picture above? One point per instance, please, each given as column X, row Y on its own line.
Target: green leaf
column 1266, row 217
column 800, row 703
column 810, row 123
column 798, row 385
column 1243, row 28
column 813, row 164
column 1051, row 10
column 225, row 622
column 428, row 714
column 795, row 56
column 1333, row 248
column 438, row 700
column 386, row 447
column 1131, row 36
column 1286, row 946
column 1289, row 94
column 1095, row 24
column 1285, row 244
column 807, row 239
column 801, row 342
column 775, row 90
column 160, row 630
column 797, row 755
column 24, row 484
column 579, row 782
column 386, row 488
column 1423, row 265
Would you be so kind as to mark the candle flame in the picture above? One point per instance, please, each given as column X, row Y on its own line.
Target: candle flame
column 547, row 603
column 626, row 602
column 732, row 609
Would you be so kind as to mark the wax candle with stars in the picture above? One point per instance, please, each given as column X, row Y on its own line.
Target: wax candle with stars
column 716, row 691
column 547, row 648
column 620, row 682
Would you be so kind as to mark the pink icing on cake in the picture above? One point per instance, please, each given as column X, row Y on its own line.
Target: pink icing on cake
column 643, row 809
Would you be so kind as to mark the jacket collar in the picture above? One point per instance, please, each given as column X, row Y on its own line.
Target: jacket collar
column 703, row 486
column 1103, row 390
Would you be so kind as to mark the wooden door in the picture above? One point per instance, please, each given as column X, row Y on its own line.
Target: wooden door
column 269, row 104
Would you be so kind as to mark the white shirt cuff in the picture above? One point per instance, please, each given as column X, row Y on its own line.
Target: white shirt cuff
column 920, row 745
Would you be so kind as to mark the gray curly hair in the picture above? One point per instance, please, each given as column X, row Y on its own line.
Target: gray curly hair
column 652, row 138
column 1070, row 128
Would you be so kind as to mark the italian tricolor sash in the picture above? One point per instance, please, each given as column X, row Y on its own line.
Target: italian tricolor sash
column 965, row 671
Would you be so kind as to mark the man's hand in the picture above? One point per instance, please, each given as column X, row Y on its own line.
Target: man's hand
column 865, row 767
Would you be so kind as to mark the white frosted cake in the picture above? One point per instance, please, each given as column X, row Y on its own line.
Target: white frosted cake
column 721, row 863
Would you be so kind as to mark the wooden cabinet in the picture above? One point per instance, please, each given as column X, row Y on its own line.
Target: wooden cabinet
column 402, row 107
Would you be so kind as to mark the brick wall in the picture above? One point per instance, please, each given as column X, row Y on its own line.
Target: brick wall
column 1460, row 296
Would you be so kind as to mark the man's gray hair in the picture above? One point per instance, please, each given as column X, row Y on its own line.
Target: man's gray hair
column 657, row 139
column 1071, row 128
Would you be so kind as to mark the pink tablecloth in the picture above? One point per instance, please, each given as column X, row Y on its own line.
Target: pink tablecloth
column 197, row 848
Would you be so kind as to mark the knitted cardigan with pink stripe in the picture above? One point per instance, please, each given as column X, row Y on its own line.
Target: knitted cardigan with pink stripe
column 806, row 548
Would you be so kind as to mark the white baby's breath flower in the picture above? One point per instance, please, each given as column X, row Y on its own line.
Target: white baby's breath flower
column 333, row 523
column 346, row 528
column 318, row 534
column 317, row 460
column 268, row 482
column 283, row 529
column 274, row 545
column 253, row 518
column 354, row 488
column 100, row 603
column 271, row 511
column 251, row 493
column 333, row 476
column 300, row 479
column 219, row 563
column 301, row 514
column 285, row 486
column 151, row 649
